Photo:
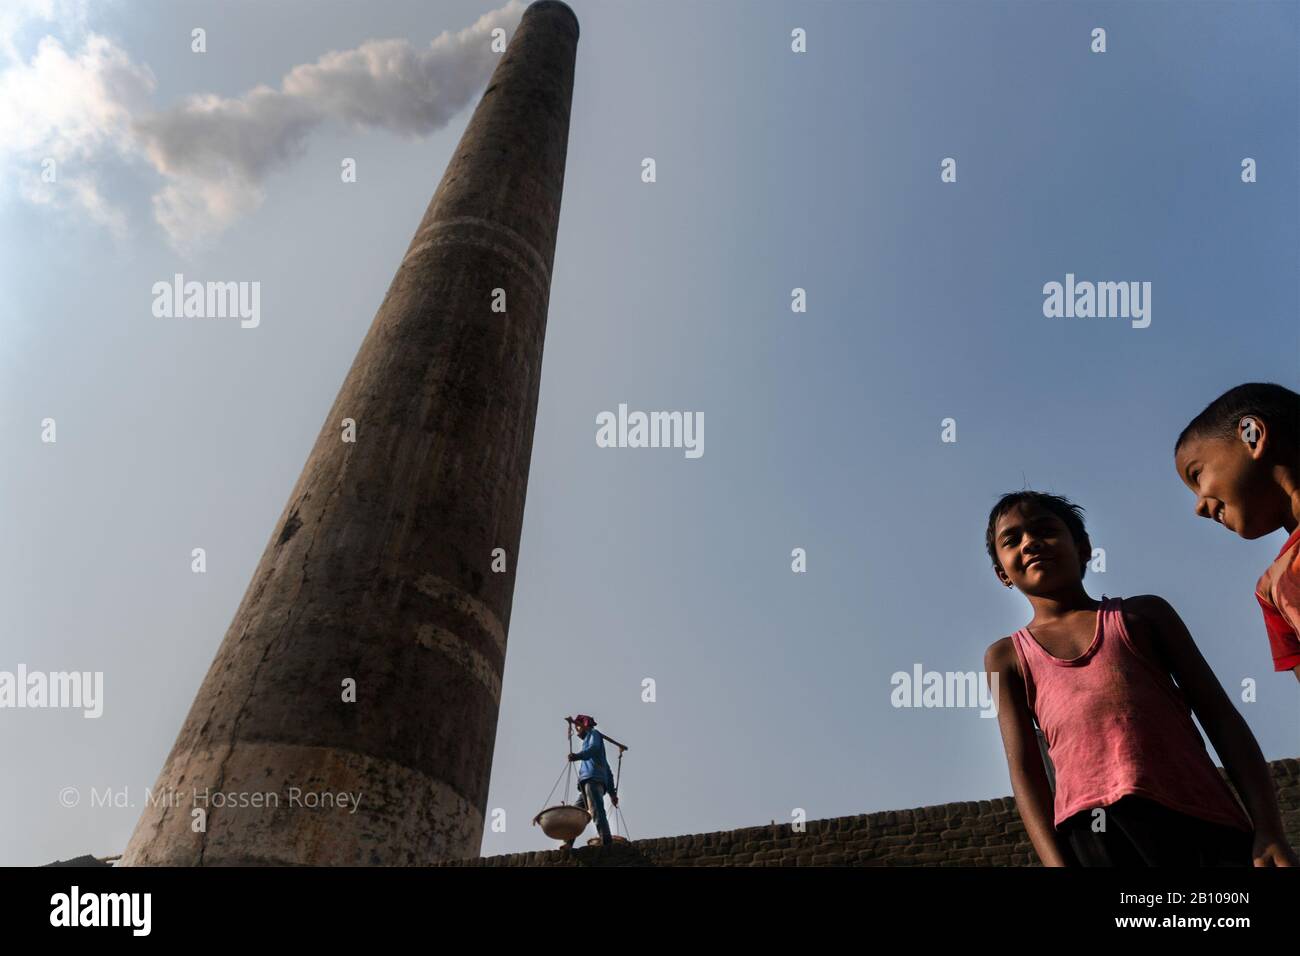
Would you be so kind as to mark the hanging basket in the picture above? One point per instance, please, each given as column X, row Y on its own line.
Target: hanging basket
column 563, row 823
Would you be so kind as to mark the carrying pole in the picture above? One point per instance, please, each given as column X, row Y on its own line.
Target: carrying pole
column 608, row 738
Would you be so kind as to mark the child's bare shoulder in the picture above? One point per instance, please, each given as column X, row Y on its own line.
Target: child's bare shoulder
column 1000, row 656
column 1151, row 608
column 1155, row 627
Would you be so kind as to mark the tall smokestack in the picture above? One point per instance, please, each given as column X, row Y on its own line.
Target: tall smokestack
column 382, row 568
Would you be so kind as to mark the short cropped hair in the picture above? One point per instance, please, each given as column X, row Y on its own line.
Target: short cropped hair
column 1276, row 404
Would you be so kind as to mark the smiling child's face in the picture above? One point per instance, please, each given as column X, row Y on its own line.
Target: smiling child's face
column 1037, row 552
column 1229, row 483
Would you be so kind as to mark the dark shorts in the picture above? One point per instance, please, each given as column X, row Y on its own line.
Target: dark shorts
column 1141, row 832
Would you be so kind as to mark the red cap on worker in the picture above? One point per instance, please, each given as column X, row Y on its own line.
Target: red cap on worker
column 584, row 719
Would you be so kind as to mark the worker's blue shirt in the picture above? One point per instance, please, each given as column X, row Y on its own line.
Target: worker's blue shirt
column 594, row 766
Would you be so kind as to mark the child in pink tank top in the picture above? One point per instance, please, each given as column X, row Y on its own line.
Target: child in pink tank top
column 1113, row 685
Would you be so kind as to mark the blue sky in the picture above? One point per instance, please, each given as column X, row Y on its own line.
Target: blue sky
column 774, row 171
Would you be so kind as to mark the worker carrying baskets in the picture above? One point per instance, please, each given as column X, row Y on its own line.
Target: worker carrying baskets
column 595, row 781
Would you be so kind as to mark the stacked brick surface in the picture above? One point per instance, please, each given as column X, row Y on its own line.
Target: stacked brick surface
column 982, row 833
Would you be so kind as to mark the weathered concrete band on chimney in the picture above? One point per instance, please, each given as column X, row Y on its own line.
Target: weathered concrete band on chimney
column 380, row 569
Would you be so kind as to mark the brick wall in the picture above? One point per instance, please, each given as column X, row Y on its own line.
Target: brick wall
column 984, row 833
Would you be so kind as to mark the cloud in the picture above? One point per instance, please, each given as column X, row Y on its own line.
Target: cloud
column 73, row 110
column 214, row 153
column 17, row 16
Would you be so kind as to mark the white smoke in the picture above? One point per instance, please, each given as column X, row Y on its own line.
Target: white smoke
column 214, row 153
column 18, row 16
column 71, row 111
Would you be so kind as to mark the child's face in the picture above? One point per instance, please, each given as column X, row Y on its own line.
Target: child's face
column 1230, row 483
column 1037, row 552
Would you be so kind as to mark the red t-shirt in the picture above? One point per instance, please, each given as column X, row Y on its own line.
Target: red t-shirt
column 1278, row 592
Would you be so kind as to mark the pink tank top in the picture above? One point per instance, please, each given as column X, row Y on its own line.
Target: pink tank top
column 1117, row 724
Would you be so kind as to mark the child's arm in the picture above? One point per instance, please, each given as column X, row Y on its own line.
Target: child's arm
column 1024, row 760
column 1228, row 732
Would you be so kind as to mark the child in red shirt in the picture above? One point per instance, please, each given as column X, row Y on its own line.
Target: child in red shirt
column 1241, row 457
